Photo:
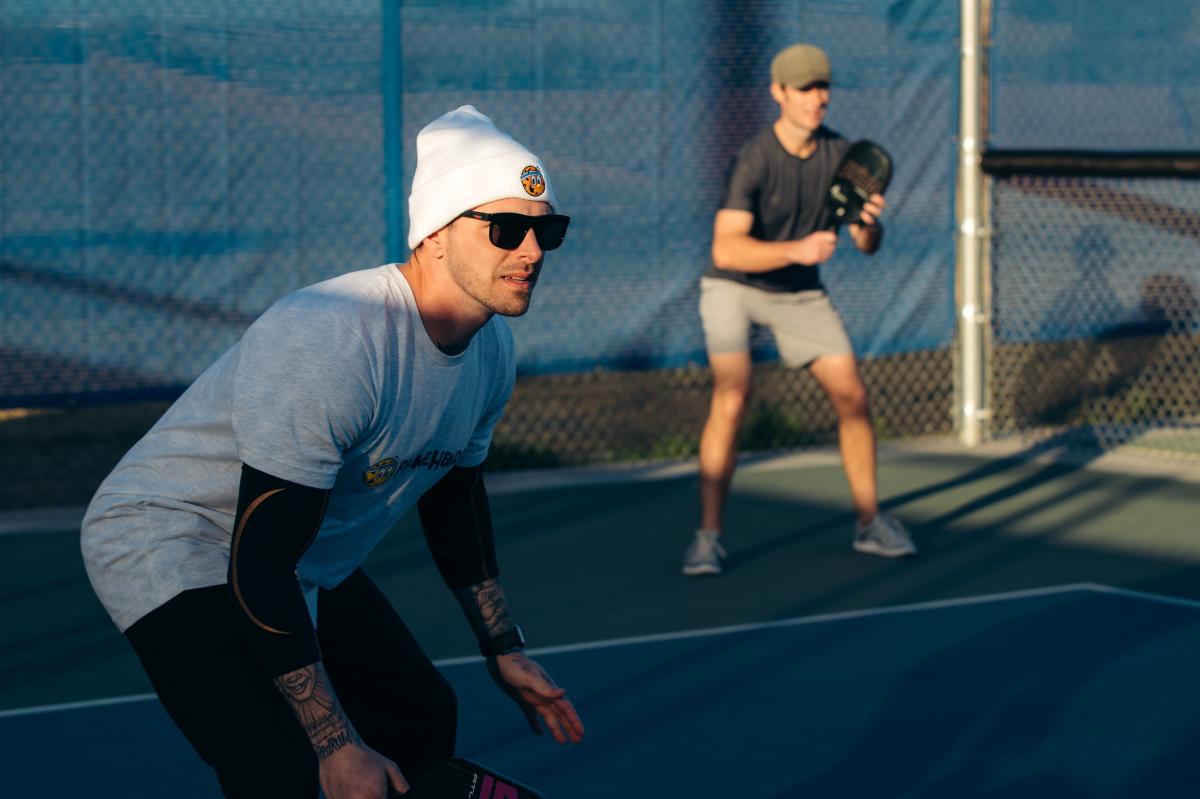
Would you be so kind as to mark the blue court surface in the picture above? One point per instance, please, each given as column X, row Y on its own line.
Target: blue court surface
column 1066, row 691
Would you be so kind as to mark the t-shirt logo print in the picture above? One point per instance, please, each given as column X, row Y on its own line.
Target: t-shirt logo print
column 380, row 473
column 533, row 181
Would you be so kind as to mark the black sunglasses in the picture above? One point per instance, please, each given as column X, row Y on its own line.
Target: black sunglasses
column 508, row 230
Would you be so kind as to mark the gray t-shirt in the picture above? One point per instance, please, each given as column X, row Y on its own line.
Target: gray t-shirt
column 786, row 194
column 336, row 386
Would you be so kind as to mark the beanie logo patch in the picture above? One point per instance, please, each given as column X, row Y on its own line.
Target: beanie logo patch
column 533, row 181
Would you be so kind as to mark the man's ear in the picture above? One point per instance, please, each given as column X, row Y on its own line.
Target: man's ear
column 777, row 93
column 435, row 243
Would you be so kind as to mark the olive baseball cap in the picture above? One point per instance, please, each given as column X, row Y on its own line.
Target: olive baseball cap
column 800, row 65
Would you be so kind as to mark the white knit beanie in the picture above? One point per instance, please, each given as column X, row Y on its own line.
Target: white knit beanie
column 463, row 161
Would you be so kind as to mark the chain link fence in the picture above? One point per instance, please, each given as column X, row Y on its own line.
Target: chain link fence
column 1095, row 326
column 607, row 416
column 170, row 169
column 1094, row 279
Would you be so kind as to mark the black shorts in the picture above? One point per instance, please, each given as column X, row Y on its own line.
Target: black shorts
column 231, row 712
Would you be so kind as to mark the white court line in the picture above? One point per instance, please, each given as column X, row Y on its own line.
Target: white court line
column 89, row 703
column 1129, row 593
column 800, row 621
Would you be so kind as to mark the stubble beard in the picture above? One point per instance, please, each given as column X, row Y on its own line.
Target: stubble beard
column 487, row 290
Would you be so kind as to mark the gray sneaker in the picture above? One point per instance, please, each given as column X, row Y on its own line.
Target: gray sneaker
column 704, row 554
column 884, row 535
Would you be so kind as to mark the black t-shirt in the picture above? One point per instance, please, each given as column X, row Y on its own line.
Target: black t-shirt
column 786, row 194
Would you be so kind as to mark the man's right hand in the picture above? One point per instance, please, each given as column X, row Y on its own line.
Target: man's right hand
column 349, row 769
column 815, row 248
column 357, row 771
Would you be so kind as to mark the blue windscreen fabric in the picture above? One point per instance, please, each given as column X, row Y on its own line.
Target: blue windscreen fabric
column 1095, row 75
column 169, row 169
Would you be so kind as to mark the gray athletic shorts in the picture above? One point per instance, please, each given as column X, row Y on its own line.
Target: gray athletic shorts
column 805, row 324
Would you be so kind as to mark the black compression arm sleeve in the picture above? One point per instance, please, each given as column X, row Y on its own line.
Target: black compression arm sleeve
column 276, row 521
column 457, row 523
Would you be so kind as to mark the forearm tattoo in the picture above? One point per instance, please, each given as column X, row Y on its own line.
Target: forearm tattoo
column 311, row 697
column 486, row 608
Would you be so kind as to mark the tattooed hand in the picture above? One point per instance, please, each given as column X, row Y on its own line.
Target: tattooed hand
column 349, row 768
column 539, row 698
column 359, row 772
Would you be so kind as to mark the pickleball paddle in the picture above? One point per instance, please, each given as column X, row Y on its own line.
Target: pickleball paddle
column 865, row 169
column 459, row 778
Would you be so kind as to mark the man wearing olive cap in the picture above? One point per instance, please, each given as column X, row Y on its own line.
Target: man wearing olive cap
column 769, row 238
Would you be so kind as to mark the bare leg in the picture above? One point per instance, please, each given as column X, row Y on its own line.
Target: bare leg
column 718, row 442
column 838, row 376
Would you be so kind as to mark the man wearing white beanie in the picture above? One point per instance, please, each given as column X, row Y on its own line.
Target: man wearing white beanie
column 227, row 544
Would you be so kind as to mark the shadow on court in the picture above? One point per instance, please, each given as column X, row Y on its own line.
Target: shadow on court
column 1046, row 691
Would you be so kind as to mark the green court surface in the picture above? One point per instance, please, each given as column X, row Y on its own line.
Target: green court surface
column 1042, row 643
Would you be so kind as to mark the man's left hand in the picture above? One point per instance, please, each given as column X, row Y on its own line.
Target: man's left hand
column 539, row 698
column 871, row 211
column 866, row 233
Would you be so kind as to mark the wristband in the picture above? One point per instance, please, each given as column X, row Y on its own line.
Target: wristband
column 503, row 644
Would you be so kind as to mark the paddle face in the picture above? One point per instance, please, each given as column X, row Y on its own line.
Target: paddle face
column 866, row 169
column 459, row 778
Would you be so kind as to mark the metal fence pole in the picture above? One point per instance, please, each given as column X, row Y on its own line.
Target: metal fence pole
column 972, row 314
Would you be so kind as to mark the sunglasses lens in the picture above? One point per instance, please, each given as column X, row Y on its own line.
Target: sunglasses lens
column 508, row 230
column 551, row 230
